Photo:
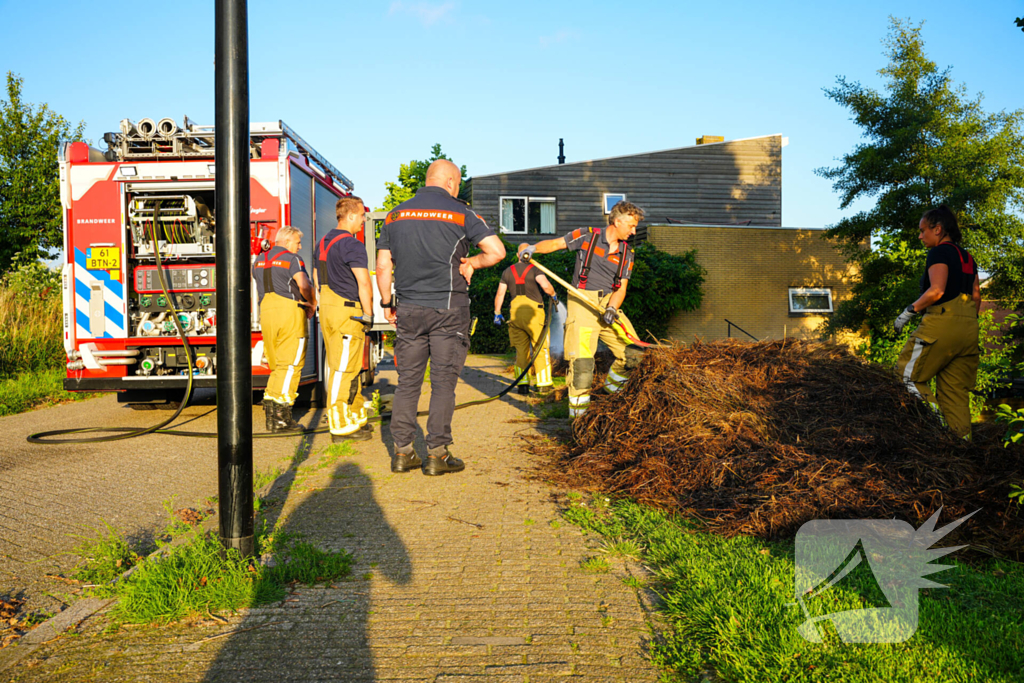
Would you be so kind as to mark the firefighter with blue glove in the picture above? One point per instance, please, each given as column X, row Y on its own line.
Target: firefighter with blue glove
column 526, row 322
column 345, row 295
column 604, row 263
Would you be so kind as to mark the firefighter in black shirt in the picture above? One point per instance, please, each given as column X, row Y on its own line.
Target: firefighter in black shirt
column 346, row 296
column 425, row 241
column 945, row 345
column 526, row 321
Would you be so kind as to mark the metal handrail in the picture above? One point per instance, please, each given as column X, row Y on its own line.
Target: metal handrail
column 732, row 325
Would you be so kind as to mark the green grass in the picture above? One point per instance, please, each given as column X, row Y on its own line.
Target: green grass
column 726, row 603
column 595, row 565
column 194, row 575
column 31, row 342
column 199, row 577
column 105, row 556
column 36, row 389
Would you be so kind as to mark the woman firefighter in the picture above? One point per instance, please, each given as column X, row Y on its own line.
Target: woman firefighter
column 945, row 345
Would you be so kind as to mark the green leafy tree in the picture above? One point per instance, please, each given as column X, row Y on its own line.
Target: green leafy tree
column 928, row 143
column 1020, row 22
column 30, row 211
column 660, row 285
column 411, row 177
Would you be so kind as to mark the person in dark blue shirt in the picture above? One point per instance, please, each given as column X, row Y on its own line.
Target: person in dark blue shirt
column 424, row 249
column 346, row 295
column 286, row 302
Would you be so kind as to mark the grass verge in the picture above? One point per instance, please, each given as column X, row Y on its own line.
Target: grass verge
column 195, row 575
column 726, row 605
column 36, row 389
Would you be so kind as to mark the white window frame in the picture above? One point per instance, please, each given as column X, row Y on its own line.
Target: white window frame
column 604, row 200
column 811, row 291
column 526, row 217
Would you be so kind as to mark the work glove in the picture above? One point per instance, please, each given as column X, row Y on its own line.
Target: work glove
column 903, row 318
column 365, row 320
column 527, row 253
column 610, row 315
column 499, row 319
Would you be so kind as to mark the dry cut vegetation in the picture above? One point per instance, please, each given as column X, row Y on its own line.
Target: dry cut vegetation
column 758, row 438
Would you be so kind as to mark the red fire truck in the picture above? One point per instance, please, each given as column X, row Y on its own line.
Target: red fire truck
column 152, row 193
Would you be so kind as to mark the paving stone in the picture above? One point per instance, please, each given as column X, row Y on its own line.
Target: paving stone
column 445, row 601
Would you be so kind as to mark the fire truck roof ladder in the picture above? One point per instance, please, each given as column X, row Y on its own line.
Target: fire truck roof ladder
column 147, row 140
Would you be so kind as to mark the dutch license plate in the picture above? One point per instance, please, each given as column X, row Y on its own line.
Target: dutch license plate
column 103, row 258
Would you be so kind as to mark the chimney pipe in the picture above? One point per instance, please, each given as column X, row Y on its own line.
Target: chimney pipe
column 561, row 151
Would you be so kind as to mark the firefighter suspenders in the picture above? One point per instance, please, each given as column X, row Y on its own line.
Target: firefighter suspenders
column 268, row 274
column 520, row 279
column 585, row 268
column 321, row 264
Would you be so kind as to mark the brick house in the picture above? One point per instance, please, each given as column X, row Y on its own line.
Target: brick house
column 763, row 281
column 723, row 198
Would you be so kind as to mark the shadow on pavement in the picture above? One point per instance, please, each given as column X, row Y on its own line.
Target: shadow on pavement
column 320, row 633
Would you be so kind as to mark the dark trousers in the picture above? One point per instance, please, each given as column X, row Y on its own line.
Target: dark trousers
column 442, row 336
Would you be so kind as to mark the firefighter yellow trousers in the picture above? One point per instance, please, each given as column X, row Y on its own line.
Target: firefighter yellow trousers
column 945, row 347
column 525, row 331
column 583, row 329
column 284, row 343
column 344, row 339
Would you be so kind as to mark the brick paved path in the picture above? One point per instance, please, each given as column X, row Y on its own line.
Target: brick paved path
column 463, row 577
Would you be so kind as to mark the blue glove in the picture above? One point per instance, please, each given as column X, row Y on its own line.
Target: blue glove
column 610, row 315
column 527, row 253
column 905, row 317
column 499, row 319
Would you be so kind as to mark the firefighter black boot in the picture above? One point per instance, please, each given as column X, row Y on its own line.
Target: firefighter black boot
column 440, row 461
column 269, row 412
column 283, row 421
column 405, row 459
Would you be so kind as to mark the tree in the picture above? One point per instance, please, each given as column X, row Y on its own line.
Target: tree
column 30, row 211
column 1020, row 22
column 928, row 143
column 411, row 177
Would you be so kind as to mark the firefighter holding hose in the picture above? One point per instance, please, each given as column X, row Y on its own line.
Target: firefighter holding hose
column 286, row 302
column 604, row 262
column 526, row 321
column 342, row 277
column 945, row 345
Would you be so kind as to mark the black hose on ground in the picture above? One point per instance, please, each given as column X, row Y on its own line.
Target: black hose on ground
column 45, row 438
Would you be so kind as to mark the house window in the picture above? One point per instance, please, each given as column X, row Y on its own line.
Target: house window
column 810, row 300
column 611, row 199
column 528, row 215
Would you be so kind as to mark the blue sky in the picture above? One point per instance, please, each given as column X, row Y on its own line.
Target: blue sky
column 374, row 84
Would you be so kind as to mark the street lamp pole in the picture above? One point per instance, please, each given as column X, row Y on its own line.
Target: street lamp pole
column 234, row 365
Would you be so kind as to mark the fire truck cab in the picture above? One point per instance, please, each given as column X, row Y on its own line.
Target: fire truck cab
column 152, row 192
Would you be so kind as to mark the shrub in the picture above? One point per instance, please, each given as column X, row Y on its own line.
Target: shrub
column 31, row 338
